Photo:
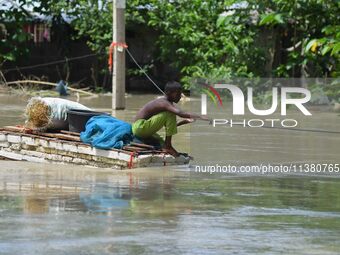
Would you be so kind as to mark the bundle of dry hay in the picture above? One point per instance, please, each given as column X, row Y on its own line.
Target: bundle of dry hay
column 38, row 114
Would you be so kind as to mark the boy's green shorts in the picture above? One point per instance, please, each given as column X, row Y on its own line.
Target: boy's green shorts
column 148, row 128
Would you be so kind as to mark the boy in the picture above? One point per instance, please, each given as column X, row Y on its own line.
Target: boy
column 159, row 113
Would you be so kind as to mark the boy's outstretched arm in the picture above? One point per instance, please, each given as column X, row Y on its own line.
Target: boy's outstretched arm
column 183, row 114
column 185, row 121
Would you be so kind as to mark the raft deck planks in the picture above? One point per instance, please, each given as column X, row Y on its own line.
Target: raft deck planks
column 67, row 148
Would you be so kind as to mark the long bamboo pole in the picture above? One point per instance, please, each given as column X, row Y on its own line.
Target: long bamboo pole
column 47, row 83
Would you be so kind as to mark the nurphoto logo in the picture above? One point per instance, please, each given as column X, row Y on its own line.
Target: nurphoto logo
column 238, row 105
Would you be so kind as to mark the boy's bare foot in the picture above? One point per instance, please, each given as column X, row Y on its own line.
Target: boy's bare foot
column 171, row 151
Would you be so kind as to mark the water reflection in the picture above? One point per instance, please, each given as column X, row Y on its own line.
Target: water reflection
column 101, row 201
column 48, row 210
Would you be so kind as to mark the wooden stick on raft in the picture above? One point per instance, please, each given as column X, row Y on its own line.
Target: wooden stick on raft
column 69, row 133
column 142, row 145
column 59, row 136
column 133, row 148
column 49, row 84
column 52, row 135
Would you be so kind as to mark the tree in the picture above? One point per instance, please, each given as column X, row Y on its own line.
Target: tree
column 13, row 17
column 209, row 38
column 311, row 33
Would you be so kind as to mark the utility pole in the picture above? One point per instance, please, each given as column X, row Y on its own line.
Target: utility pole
column 118, row 72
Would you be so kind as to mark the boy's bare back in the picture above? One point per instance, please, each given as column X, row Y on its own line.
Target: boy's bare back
column 153, row 107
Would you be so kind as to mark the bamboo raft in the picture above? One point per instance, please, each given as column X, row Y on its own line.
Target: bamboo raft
column 18, row 143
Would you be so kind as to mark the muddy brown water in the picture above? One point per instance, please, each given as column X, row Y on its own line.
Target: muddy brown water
column 60, row 209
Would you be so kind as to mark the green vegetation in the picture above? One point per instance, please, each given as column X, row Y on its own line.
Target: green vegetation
column 214, row 39
column 12, row 37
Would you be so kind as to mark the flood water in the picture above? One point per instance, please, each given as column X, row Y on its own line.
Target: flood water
column 48, row 209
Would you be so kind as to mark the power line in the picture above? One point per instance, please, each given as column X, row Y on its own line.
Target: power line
column 147, row 76
column 81, row 57
column 51, row 63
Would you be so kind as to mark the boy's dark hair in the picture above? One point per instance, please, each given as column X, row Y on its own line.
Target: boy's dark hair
column 172, row 86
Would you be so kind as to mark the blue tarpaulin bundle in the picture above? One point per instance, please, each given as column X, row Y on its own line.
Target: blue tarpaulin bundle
column 106, row 132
